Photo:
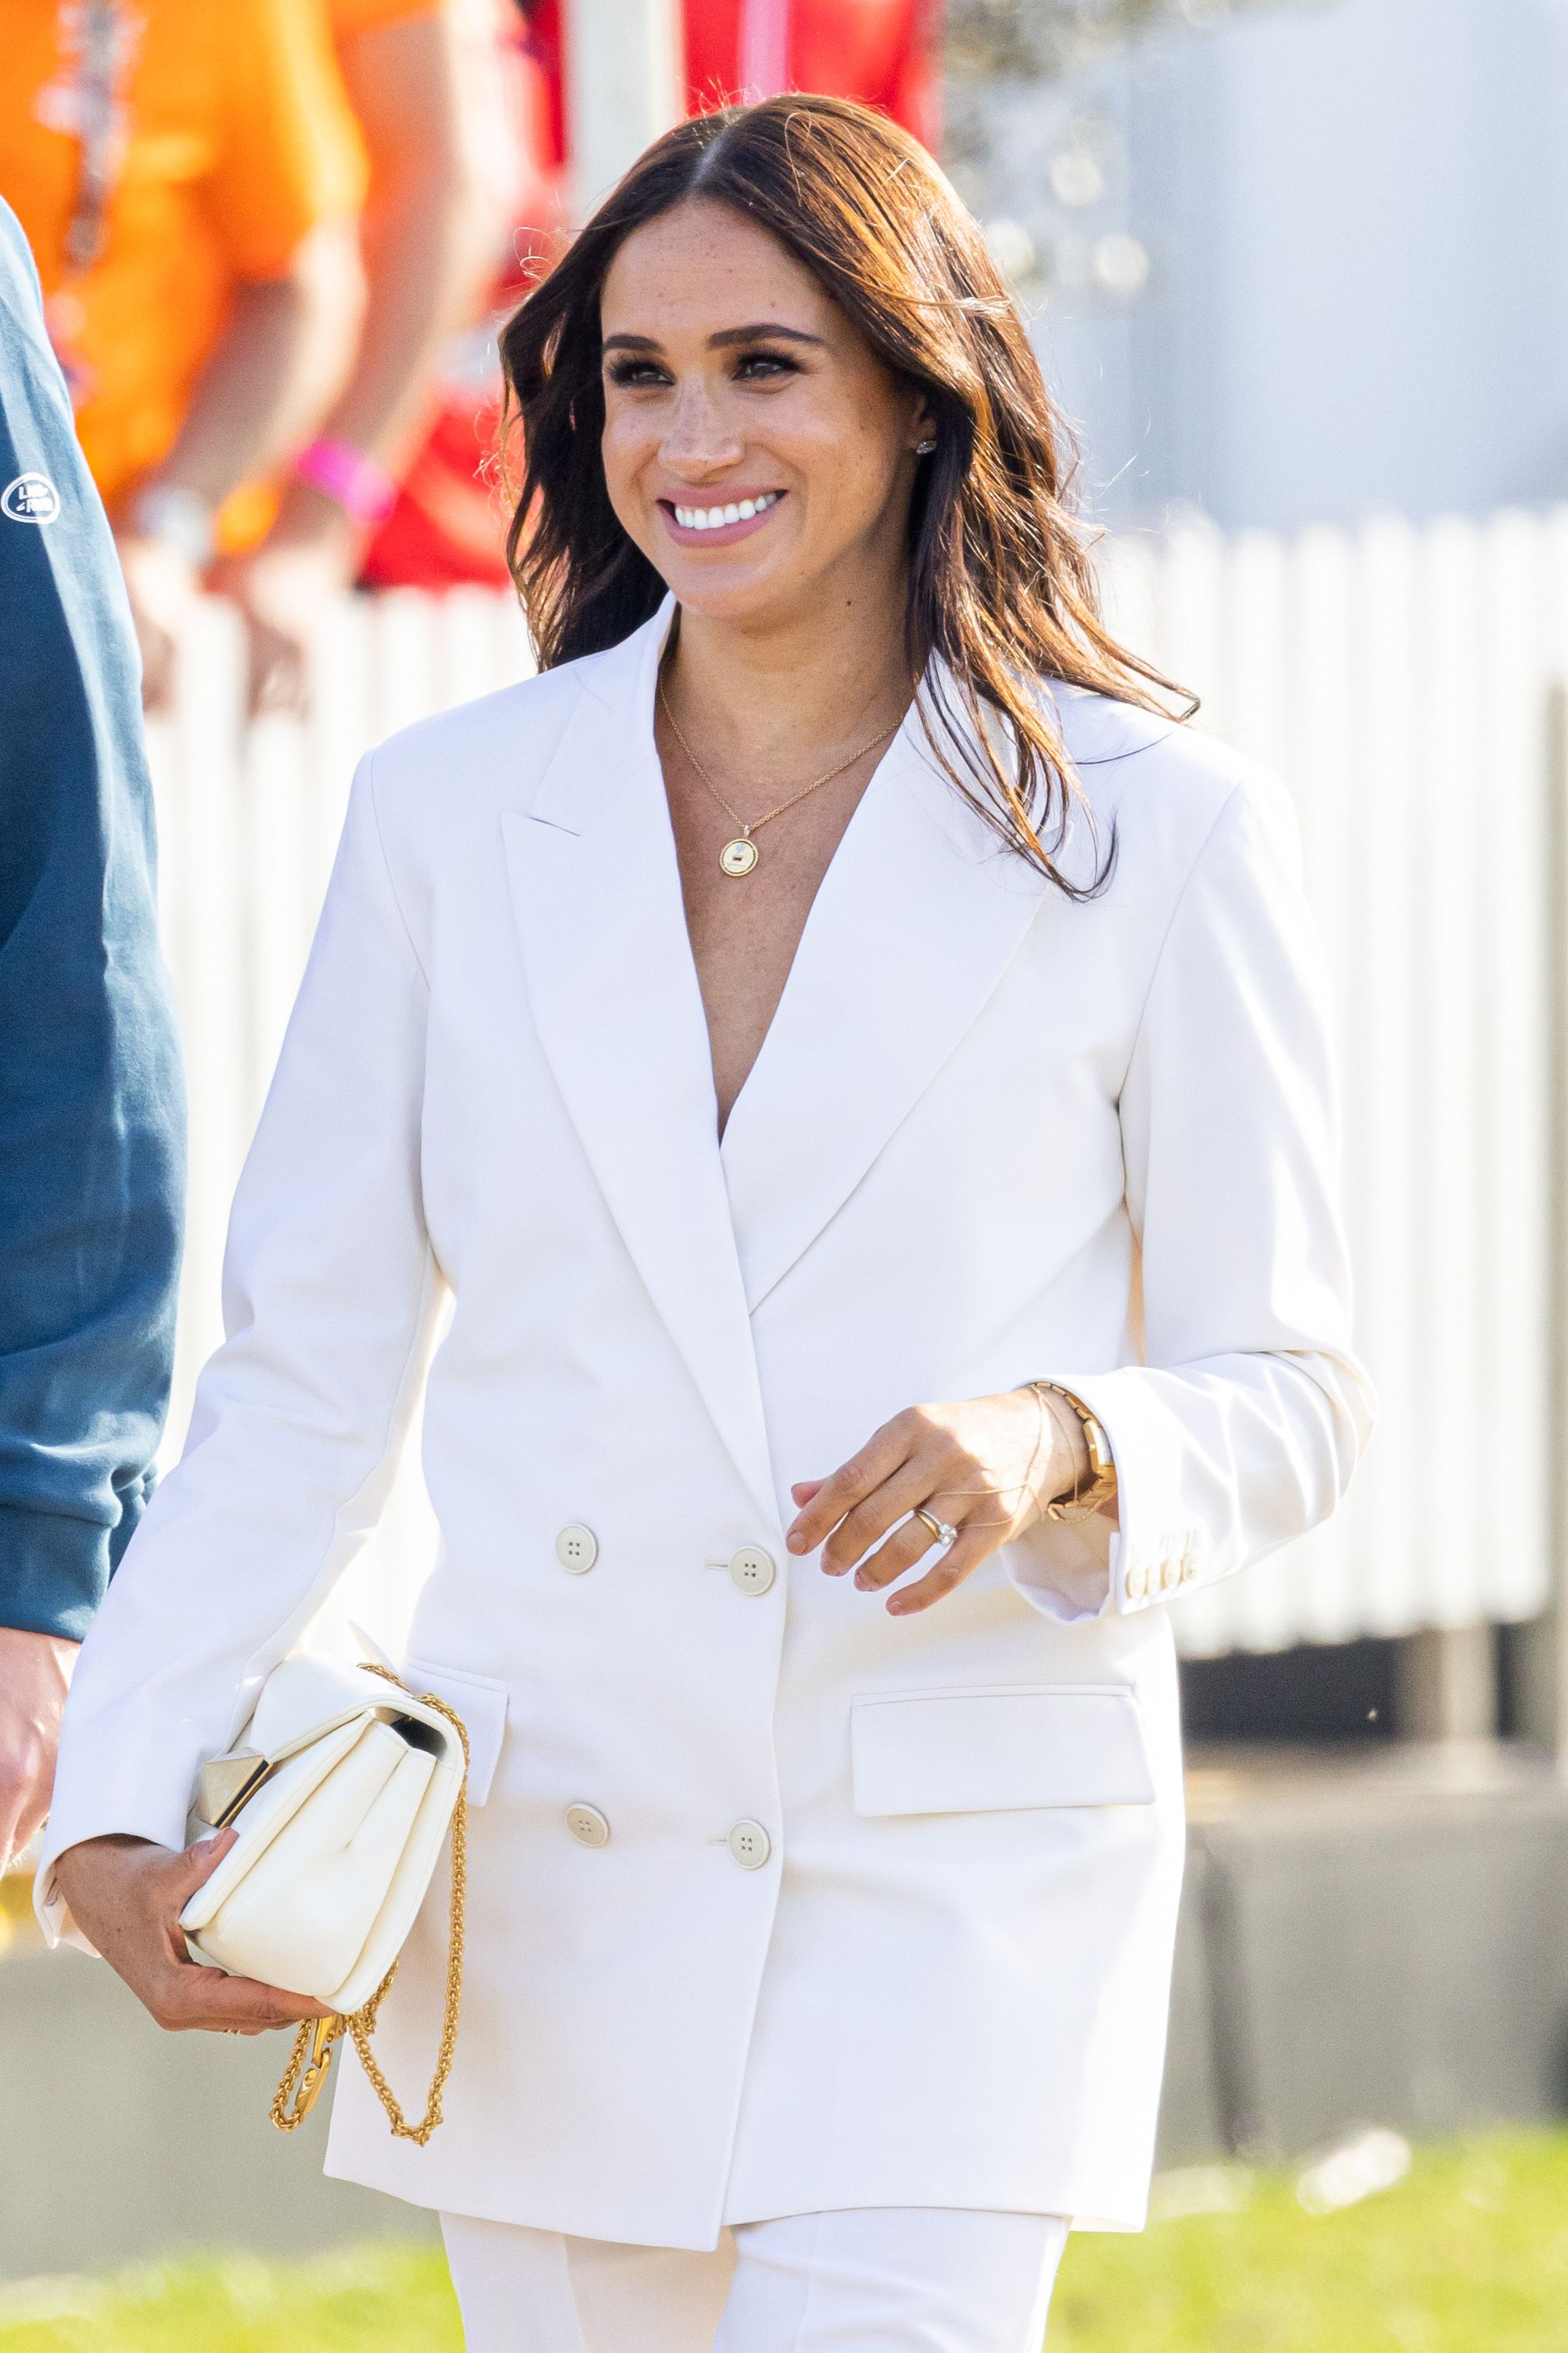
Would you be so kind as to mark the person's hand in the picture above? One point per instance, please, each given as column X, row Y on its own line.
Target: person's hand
column 127, row 1895
column 283, row 588
column 162, row 588
column 987, row 1467
column 35, row 1674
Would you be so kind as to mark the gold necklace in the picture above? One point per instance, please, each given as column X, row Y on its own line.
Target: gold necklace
column 740, row 857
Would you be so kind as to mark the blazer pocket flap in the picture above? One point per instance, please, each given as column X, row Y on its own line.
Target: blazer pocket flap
column 480, row 1701
column 1006, row 1748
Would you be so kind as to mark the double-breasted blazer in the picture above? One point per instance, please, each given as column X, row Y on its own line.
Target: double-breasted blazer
column 777, row 1903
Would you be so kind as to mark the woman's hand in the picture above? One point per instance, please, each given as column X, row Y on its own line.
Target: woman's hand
column 35, row 1675
column 162, row 588
column 284, row 588
column 988, row 1467
column 127, row 1895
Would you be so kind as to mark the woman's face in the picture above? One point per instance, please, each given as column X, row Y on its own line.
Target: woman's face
column 755, row 448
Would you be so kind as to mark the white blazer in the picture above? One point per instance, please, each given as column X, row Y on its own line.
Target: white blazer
column 885, row 1911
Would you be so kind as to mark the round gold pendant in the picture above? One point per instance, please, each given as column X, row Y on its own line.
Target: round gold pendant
column 738, row 857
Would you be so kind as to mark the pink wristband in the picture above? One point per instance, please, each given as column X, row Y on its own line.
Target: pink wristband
column 366, row 491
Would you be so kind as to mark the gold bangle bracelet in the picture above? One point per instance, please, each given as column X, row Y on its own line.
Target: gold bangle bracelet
column 1082, row 1501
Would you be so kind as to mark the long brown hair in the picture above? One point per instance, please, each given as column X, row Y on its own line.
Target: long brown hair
column 1000, row 584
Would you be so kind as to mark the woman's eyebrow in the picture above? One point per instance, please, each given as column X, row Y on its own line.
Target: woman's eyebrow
column 728, row 335
column 722, row 341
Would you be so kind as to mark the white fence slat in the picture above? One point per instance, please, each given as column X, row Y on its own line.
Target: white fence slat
column 273, row 791
column 1187, row 642
column 1450, row 1048
column 1553, row 647
column 1382, row 1172
column 1255, row 650
column 1510, row 858
column 1127, row 573
column 405, row 635
column 197, row 758
column 341, row 722
column 1315, row 1586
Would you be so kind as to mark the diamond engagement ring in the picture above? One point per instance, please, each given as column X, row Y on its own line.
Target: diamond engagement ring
column 943, row 1530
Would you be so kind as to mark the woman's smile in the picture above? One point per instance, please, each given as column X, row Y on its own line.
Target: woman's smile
column 717, row 523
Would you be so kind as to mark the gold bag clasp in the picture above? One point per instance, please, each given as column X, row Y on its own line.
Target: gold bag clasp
column 288, row 2112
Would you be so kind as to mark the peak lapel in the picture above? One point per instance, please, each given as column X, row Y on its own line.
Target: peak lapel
column 614, row 996
column 917, row 917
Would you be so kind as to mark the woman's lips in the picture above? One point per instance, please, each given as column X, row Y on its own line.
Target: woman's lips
column 720, row 534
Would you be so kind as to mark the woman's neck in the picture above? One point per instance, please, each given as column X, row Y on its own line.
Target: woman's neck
column 785, row 695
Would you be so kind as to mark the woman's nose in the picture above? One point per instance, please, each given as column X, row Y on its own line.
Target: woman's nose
column 698, row 437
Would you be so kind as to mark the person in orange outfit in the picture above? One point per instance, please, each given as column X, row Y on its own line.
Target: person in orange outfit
column 445, row 527
column 187, row 174
column 436, row 119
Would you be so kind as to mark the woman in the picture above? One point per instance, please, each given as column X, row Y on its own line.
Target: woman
column 880, row 1146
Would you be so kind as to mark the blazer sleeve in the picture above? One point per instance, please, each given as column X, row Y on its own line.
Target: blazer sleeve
column 1240, row 1427
column 91, row 1099
column 328, row 1296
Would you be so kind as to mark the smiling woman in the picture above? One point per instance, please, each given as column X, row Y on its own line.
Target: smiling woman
column 892, row 303
column 894, row 1250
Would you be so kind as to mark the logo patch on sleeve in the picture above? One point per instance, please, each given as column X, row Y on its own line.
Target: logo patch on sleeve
column 31, row 497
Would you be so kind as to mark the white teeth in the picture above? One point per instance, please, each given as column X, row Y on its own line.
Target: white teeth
column 715, row 518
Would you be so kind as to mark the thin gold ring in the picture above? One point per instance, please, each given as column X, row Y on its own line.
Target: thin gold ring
column 943, row 1530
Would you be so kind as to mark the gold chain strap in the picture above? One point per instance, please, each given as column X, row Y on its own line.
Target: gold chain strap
column 317, row 2035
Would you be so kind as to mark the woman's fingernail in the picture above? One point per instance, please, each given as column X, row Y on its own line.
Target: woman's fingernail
column 795, row 1541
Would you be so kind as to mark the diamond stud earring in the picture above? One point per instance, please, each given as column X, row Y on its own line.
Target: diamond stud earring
column 924, row 448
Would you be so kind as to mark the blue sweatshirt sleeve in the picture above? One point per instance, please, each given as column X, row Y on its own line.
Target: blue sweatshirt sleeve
column 91, row 1098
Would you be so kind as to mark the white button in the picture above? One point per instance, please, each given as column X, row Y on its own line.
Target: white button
column 749, row 1844
column 1136, row 1581
column 752, row 1569
column 577, row 1550
column 1172, row 1573
column 587, row 1826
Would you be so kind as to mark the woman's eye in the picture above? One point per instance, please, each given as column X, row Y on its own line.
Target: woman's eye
column 765, row 363
column 635, row 372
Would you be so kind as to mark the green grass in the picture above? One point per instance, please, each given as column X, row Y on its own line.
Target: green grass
column 1468, row 2255
column 373, row 2299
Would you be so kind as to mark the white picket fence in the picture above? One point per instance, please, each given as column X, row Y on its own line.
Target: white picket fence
column 1399, row 681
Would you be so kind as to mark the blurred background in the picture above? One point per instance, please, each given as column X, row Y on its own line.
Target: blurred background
column 1296, row 269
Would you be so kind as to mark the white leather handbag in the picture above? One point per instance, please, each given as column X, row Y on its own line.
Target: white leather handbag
column 341, row 1791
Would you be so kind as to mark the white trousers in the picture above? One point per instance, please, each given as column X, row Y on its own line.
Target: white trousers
column 874, row 2280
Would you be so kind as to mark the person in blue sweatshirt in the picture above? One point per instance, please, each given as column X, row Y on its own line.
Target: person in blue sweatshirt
column 92, row 1097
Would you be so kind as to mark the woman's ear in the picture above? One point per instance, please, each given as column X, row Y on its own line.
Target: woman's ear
column 925, row 431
